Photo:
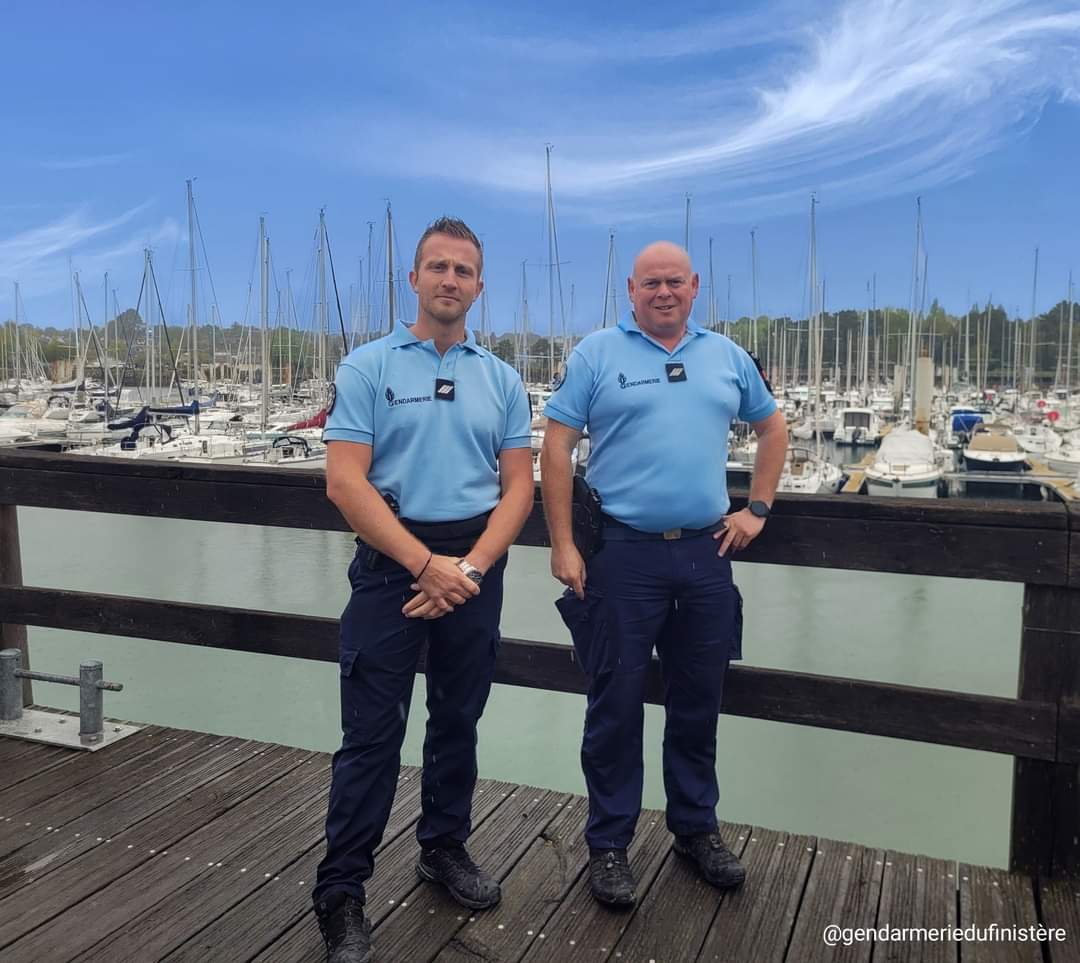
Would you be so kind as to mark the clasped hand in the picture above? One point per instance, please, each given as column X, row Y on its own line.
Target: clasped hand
column 440, row 588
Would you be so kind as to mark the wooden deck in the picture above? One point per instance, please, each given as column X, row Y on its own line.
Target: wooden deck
column 180, row 846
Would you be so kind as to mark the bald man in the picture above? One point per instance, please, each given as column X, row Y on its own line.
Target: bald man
column 657, row 395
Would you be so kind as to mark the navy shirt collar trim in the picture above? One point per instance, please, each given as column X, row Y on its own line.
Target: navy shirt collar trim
column 402, row 336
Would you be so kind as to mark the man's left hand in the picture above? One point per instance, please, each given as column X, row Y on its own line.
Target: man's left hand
column 740, row 529
column 422, row 607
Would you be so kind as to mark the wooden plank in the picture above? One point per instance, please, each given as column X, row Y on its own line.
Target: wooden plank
column 674, row 917
column 1059, row 908
column 965, row 538
column 991, row 724
column 273, row 845
column 1045, row 826
column 432, row 918
column 755, row 921
column 916, row 892
column 259, row 918
column 105, row 764
column 536, row 885
column 247, row 503
column 594, row 928
column 13, row 635
column 126, row 919
column 955, row 511
column 42, row 900
column 12, row 748
column 280, row 924
column 170, row 865
column 843, row 888
column 994, row 896
column 28, row 766
column 78, row 830
column 393, row 886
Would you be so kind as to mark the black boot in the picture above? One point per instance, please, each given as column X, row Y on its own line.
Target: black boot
column 467, row 883
column 714, row 861
column 345, row 930
column 611, row 879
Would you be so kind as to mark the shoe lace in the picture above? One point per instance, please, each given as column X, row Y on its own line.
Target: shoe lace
column 613, row 863
column 347, row 922
column 460, row 861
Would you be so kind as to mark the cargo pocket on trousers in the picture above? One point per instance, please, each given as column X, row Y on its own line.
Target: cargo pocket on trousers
column 346, row 661
column 736, row 636
column 582, row 617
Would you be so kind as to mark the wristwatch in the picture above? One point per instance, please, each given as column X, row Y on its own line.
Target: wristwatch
column 759, row 509
column 470, row 571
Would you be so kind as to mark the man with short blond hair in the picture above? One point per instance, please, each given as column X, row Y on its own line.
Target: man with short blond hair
column 431, row 550
column 657, row 395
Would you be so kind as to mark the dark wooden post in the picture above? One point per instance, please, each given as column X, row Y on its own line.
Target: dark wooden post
column 13, row 636
column 1046, row 804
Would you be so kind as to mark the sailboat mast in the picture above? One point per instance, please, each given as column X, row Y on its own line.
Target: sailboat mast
column 105, row 326
column 264, row 309
column 1030, row 380
column 686, row 226
column 390, row 264
column 814, row 346
column 753, row 281
column 1068, row 350
column 193, row 344
column 712, row 291
column 18, row 349
column 609, row 280
column 321, row 335
column 551, row 267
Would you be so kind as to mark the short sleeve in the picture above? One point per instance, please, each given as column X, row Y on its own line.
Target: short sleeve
column 570, row 403
column 756, row 400
column 352, row 415
column 518, row 432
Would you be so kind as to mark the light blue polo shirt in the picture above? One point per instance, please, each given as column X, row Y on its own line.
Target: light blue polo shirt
column 659, row 447
column 439, row 459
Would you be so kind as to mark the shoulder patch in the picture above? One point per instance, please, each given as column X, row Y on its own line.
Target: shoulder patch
column 331, row 398
column 557, row 381
column 761, row 371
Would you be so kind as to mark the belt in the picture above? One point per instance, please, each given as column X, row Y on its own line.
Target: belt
column 444, row 531
column 617, row 531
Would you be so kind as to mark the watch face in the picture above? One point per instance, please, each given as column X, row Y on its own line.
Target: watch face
column 760, row 509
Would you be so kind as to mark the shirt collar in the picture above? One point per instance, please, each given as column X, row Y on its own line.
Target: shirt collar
column 629, row 324
column 402, row 335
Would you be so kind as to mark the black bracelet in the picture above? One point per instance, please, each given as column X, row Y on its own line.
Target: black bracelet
column 420, row 574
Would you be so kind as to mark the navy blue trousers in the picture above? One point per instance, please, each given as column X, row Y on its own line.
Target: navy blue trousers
column 380, row 648
column 677, row 597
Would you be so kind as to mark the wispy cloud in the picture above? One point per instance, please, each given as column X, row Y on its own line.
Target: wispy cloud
column 879, row 97
column 82, row 163
column 38, row 256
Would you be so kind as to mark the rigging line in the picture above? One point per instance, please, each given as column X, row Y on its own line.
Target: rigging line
column 209, row 274
column 165, row 328
column 337, row 296
column 130, row 340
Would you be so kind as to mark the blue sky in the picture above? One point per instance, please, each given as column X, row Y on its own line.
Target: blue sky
column 972, row 104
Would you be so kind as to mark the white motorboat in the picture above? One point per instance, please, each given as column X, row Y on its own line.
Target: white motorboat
column 1038, row 439
column 857, row 426
column 905, row 466
column 806, row 473
column 993, row 447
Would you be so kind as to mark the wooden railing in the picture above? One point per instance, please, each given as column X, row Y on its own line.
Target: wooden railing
column 1034, row 543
